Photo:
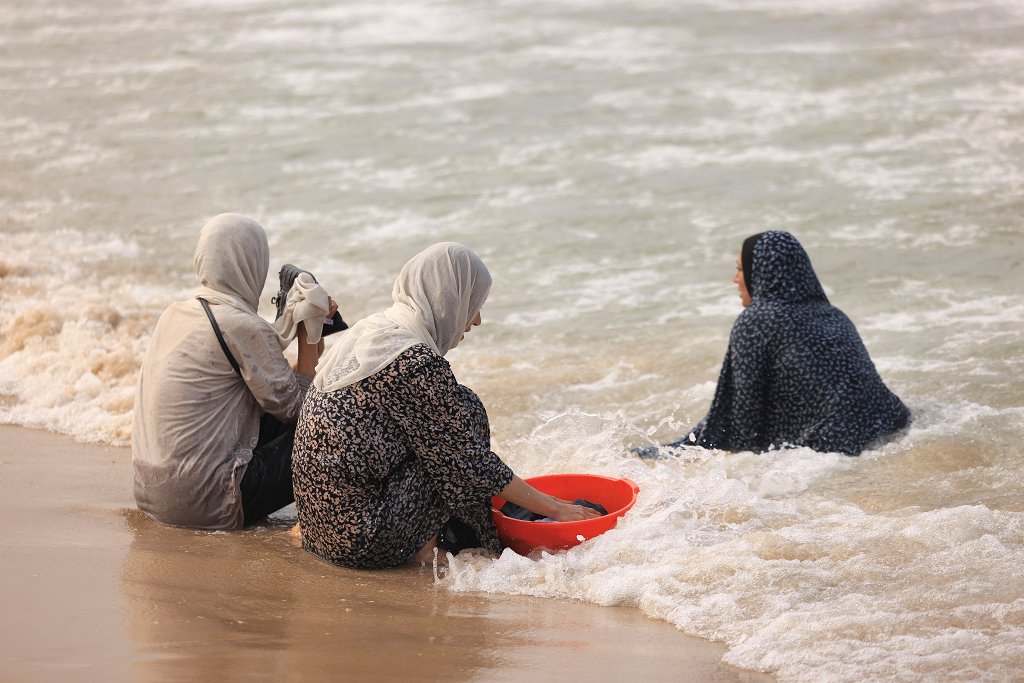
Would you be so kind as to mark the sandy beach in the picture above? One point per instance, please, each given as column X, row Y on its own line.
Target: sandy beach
column 606, row 160
column 95, row 591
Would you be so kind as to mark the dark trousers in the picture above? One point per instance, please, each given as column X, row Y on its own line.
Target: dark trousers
column 267, row 483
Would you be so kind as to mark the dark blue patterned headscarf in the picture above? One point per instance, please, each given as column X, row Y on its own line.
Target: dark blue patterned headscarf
column 796, row 372
column 781, row 271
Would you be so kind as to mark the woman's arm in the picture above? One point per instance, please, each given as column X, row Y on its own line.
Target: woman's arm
column 309, row 354
column 525, row 496
column 446, row 428
column 268, row 375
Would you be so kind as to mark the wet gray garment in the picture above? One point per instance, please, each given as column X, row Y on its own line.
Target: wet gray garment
column 197, row 421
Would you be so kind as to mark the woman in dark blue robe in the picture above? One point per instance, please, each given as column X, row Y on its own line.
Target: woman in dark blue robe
column 796, row 372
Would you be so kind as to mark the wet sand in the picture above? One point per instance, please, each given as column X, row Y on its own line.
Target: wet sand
column 95, row 591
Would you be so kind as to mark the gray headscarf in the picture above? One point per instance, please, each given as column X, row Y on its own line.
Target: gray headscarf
column 232, row 259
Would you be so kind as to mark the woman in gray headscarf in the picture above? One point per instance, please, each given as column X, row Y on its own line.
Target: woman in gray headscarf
column 211, row 442
column 392, row 455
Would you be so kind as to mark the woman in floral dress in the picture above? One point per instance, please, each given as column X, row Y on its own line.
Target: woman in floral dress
column 390, row 448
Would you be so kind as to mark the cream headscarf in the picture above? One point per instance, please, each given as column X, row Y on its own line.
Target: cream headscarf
column 232, row 260
column 437, row 294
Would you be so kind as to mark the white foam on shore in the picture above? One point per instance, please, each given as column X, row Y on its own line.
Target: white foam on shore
column 756, row 551
column 70, row 354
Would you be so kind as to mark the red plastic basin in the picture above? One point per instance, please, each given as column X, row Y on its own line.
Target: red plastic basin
column 615, row 495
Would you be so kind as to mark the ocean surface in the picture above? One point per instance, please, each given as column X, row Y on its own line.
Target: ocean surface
column 606, row 159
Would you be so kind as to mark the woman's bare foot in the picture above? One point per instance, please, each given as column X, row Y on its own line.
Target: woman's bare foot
column 426, row 553
column 295, row 534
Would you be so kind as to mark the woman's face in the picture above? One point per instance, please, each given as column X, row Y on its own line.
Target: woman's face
column 740, row 282
column 472, row 323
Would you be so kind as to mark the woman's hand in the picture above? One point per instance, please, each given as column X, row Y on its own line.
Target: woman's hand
column 524, row 495
column 567, row 512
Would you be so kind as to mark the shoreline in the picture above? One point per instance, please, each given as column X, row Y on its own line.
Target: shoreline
column 103, row 593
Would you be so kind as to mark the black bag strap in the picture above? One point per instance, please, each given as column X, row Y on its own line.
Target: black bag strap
column 220, row 337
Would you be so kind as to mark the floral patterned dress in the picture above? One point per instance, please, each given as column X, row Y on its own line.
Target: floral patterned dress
column 381, row 465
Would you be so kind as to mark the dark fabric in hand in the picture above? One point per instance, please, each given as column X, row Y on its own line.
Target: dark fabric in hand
column 513, row 511
column 592, row 506
column 337, row 324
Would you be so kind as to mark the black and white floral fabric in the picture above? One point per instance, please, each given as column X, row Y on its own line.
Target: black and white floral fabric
column 379, row 466
column 796, row 372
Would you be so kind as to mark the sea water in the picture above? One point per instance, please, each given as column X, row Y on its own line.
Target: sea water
column 606, row 159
